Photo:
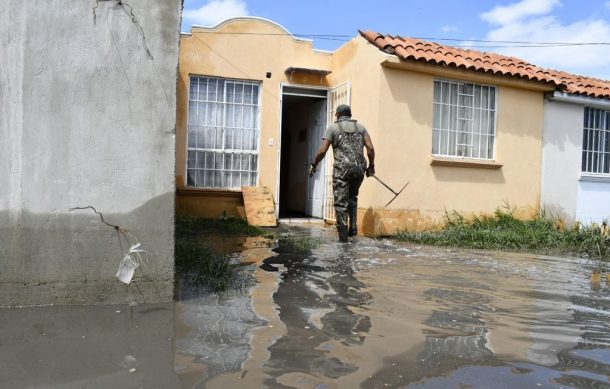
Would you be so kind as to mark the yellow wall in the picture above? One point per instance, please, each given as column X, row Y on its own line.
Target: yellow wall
column 403, row 139
column 393, row 100
column 217, row 52
column 395, row 104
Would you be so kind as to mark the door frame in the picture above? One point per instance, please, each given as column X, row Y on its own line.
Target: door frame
column 279, row 138
column 329, row 211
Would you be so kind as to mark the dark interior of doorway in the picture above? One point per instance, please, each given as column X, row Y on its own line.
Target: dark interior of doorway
column 294, row 162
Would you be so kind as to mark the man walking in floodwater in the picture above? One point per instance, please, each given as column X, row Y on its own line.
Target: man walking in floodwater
column 348, row 138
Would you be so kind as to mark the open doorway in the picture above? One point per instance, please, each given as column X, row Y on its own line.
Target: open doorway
column 304, row 113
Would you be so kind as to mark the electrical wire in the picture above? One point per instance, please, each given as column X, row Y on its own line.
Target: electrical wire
column 495, row 43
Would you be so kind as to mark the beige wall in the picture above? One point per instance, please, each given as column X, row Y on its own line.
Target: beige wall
column 217, row 52
column 395, row 104
column 393, row 100
column 403, row 139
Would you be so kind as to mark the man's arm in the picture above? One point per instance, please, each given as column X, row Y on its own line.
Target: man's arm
column 370, row 152
column 319, row 156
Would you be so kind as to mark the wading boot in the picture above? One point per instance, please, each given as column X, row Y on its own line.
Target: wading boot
column 343, row 233
column 353, row 228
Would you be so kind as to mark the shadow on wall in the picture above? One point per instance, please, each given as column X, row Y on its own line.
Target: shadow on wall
column 468, row 175
column 182, row 102
column 379, row 222
column 563, row 125
column 72, row 258
column 414, row 92
column 408, row 90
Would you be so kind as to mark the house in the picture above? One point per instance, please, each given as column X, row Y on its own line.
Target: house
column 86, row 121
column 463, row 127
column 576, row 150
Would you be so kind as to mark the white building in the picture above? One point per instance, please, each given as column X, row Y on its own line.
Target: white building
column 576, row 151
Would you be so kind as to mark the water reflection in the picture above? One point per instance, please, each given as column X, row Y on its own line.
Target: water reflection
column 219, row 332
column 317, row 300
column 371, row 314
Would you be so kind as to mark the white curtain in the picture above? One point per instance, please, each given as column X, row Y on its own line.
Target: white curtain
column 223, row 133
column 464, row 119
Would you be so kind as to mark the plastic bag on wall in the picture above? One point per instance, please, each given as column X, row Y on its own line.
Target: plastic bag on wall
column 128, row 265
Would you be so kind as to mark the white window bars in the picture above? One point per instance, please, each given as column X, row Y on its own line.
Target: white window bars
column 464, row 123
column 596, row 141
column 223, row 133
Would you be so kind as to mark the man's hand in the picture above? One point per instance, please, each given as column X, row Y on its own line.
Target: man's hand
column 370, row 171
column 312, row 169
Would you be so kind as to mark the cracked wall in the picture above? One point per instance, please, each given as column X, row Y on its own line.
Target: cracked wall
column 87, row 117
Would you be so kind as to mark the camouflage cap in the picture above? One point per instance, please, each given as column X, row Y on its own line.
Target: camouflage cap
column 344, row 110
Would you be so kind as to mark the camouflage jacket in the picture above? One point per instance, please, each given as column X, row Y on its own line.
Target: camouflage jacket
column 347, row 138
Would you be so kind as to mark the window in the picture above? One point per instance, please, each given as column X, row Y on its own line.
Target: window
column 223, row 133
column 596, row 141
column 464, row 120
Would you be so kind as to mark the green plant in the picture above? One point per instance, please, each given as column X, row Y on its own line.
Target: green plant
column 503, row 231
column 199, row 266
column 197, row 263
column 187, row 225
column 298, row 243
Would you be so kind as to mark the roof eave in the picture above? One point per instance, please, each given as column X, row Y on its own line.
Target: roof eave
column 595, row 102
column 482, row 76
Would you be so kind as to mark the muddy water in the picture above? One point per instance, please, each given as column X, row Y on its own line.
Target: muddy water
column 370, row 314
column 378, row 314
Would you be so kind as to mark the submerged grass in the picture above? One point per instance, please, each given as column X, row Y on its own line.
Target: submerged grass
column 503, row 231
column 186, row 225
column 201, row 267
column 197, row 263
column 298, row 244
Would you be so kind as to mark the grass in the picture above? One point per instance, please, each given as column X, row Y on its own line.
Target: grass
column 298, row 244
column 202, row 267
column 502, row 231
column 198, row 263
column 186, row 225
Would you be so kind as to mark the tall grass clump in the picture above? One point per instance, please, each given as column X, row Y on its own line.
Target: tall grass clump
column 503, row 231
column 201, row 267
column 298, row 244
column 197, row 263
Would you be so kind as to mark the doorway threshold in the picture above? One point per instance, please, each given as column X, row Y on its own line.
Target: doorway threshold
column 301, row 220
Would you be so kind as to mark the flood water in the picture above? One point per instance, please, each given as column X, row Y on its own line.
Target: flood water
column 370, row 314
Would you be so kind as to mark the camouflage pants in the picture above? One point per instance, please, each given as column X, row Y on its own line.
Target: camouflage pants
column 346, row 183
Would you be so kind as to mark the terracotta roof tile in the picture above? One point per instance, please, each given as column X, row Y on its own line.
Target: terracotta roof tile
column 434, row 53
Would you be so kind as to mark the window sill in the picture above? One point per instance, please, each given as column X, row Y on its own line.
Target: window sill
column 465, row 162
column 205, row 192
column 591, row 177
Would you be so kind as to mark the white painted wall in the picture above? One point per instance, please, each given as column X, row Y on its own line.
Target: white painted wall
column 561, row 156
column 593, row 202
column 565, row 191
column 87, row 117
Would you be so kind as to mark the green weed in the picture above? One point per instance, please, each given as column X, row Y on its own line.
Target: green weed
column 186, row 225
column 298, row 244
column 502, row 231
column 197, row 263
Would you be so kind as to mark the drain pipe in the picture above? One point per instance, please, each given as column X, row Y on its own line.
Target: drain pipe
column 593, row 102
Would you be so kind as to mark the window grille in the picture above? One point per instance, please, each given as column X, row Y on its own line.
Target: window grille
column 464, row 120
column 596, row 141
column 223, row 133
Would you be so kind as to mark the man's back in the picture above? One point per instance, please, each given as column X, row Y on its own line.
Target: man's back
column 347, row 139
